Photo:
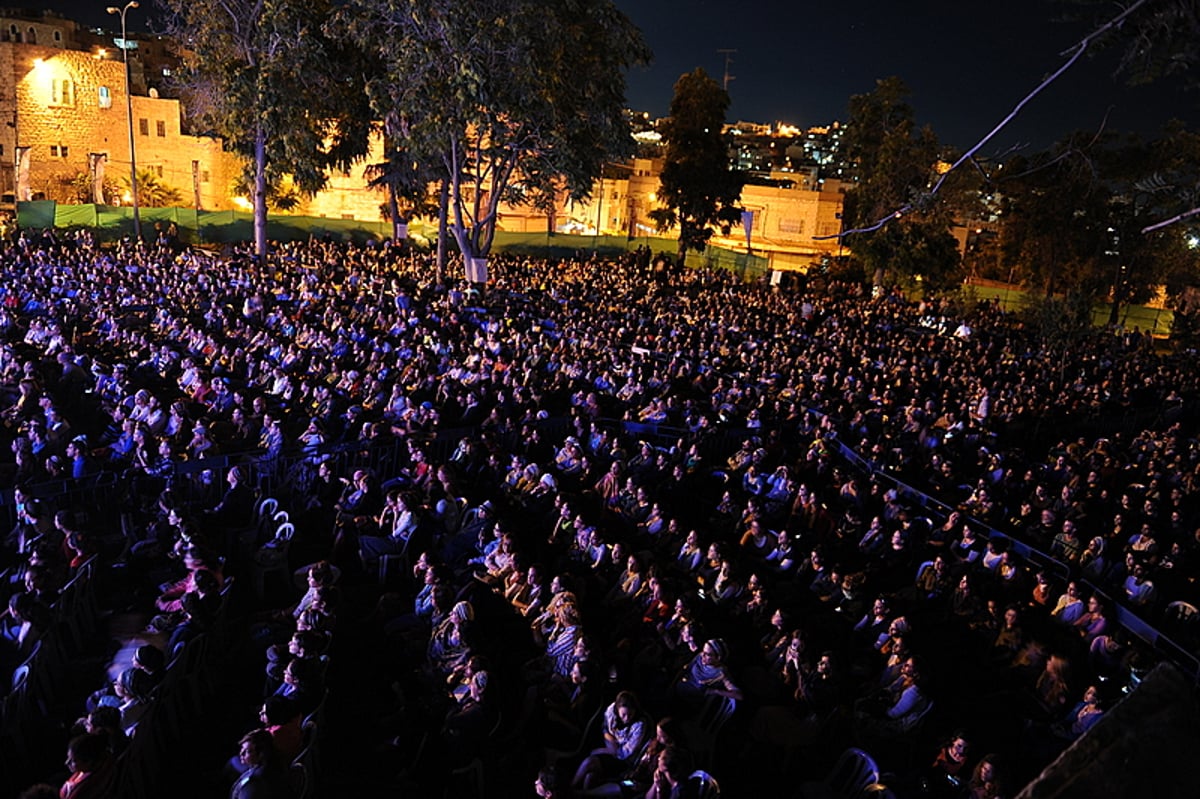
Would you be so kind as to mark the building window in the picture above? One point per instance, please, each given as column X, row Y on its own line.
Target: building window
column 58, row 36
column 144, row 127
column 62, row 91
column 791, row 226
column 105, row 97
column 54, row 151
column 31, row 37
column 203, row 172
column 160, row 127
column 63, row 150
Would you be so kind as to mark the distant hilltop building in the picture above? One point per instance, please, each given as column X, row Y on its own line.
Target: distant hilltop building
column 762, row 149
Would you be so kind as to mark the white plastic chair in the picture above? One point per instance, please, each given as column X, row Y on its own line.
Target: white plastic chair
column 705, row 784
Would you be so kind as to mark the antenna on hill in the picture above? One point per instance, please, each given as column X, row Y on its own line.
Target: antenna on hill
column 728, row 60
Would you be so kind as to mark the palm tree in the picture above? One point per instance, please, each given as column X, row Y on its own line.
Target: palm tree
column 153, row 192
column 407, row 184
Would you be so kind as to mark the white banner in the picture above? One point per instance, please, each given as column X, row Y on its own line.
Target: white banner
column 23, row 192
column 98, row 161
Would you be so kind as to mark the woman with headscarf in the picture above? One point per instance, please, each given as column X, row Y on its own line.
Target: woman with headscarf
column 448, row 643
column 707, row 673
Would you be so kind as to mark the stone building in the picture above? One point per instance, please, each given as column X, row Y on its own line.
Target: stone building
column 792, row 216
column 66, row 131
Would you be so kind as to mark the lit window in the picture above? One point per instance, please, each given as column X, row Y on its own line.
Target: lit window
column 105, row 97
column 62, row 91
column 160, row 127
column 144, row 127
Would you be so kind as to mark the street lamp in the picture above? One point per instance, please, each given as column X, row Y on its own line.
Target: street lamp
column 133, row 187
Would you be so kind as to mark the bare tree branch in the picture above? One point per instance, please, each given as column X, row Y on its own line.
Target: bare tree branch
column 1074, row 54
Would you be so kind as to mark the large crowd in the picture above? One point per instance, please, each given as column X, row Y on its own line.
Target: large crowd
column 587, row 520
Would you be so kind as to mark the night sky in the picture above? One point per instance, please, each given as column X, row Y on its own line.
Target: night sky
column 967, row 62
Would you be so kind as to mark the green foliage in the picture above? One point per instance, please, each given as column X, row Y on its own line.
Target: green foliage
column 894, row 164
column 406, row 182
column 264, row 76
column 513, row 99
column 698, row 189
column 282, row 195
column 77, row 188
column 1060, row 322
column 1075, row 216
column 152, row 191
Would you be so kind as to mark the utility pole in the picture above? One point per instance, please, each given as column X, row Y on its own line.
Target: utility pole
column 133, row 186
column 728, row 60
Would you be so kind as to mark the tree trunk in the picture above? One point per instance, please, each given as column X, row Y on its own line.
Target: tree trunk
column 443, row 213
column 260, row 193
column 394, row 212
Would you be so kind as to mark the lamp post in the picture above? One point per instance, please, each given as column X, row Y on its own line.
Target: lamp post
column 133, row 186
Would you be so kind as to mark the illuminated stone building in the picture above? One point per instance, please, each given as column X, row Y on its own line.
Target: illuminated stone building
column 63, row 102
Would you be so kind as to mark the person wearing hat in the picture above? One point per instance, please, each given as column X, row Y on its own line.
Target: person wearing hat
column 81, row 462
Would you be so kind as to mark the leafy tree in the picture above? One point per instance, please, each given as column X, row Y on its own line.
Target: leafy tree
column 78, row 188
column 1055, row 218
column 282, row 194
column 511, row 98
column 264, row 76
column 152, row 191
column 697, row 187
column 1075, row 216
column 406, row 182
column 894, row 166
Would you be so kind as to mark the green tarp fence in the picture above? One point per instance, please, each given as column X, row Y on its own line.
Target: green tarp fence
column 222, row 227
column 194, row 227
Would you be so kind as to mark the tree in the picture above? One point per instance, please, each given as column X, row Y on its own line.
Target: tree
column 509, row 97
column 697, row 187
column 406, row 182
column 264, row 76
column 894, row 166
column 152, row 191
column 1055, row 218
column 1076, row 216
